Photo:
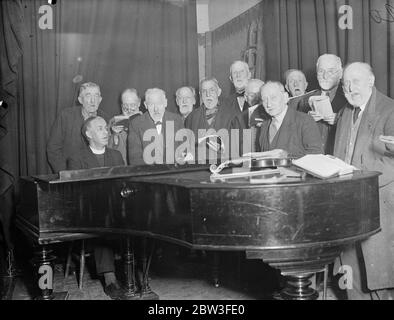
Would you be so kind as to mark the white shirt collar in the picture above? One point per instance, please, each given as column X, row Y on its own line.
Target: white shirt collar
column 362, row 107
column 97, row 151
column 279, row 118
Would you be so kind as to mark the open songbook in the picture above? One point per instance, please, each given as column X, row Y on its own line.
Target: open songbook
column 321, row 105
column 323, row 166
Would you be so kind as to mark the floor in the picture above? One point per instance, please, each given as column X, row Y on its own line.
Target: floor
column 174, row 276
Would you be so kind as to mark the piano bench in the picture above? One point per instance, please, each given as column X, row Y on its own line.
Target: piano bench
column 82, row 256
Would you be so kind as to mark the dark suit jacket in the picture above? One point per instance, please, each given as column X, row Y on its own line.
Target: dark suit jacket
column 197, row 120
column 231, row 102
column 66, row 138
column 85, row 159
column 242, row 122
column 137, row 145
column 371, row 154
column 298, row 135
column 327, row 131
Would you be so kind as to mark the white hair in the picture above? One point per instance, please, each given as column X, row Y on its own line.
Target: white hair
column 130, row 91
column 214, row 80
column 361, row 65
column 86, row 85
column 329, row 56
column 178, row 91
column 245, row 65
column 153, row 91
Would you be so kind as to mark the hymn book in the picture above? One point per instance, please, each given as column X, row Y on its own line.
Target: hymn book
column 323, row 166
column 321, row 105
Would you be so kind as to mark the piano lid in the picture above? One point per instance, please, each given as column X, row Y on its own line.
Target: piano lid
column 117, row 172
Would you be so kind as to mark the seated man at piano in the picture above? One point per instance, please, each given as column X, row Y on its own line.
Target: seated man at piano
column 65, row 138
column 150, row 132
column 293, row 133
column 97, row 154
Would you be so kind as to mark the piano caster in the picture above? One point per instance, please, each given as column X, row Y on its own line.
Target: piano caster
column 297, row 288
column 215, row 269
column 45, row 276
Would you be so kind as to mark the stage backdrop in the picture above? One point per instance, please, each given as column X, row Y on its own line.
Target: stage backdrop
column 117, row 44
column 296, row 32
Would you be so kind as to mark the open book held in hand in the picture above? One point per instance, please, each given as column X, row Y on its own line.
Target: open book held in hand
column 321, row 105
column 323, row 166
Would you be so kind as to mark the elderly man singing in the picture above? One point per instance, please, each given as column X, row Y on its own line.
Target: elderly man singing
column 65, row 138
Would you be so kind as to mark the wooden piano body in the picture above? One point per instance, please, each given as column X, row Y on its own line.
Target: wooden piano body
column 296, row 226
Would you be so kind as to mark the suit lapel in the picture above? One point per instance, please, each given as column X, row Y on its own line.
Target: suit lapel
column 367, row 124
column 264, row 140
column 283, row 135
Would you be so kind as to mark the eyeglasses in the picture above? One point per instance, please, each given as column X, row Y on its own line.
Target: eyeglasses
column 330, row 73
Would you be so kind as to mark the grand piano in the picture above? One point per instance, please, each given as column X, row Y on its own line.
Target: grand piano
column 297, row 226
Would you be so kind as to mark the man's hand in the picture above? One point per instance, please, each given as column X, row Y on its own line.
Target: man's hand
column 316, row 116
column 331, row 119
column 387, row 139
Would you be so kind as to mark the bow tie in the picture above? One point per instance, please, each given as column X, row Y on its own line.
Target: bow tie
column 158, row 123
column 240, row 94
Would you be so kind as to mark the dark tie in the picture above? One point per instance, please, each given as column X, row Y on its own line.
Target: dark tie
column 157, row 123
column 356, row 112
column 240, row 94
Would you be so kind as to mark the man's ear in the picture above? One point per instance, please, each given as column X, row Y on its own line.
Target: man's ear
column 80, row 99
column 219, row 92
column 165, row 103
column 287, row 88
column 231, row 78
column 88, row 134
column 371, row 81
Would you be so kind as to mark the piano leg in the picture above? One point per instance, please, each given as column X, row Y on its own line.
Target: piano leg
column 129, row 263
column 297, row 287
column 146, row 292
column 215, row 267
column 44, row 263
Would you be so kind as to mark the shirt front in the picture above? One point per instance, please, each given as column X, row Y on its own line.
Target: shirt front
column 279, row 118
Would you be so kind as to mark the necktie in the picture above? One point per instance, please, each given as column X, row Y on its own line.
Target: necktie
column 158, row 126
column 240, row 94
column 356, row 112
column 272, row 130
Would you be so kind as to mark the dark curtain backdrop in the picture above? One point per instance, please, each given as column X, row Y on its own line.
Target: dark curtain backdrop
column 115, row 43
column 296, row 32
